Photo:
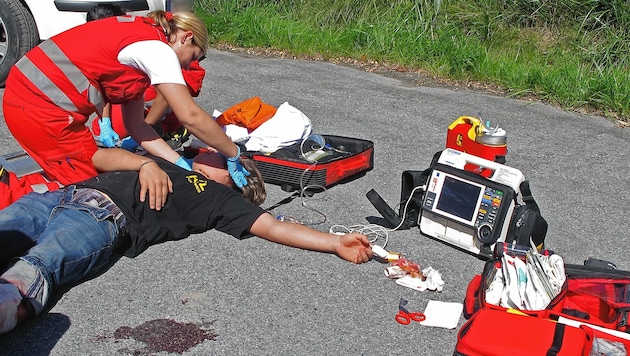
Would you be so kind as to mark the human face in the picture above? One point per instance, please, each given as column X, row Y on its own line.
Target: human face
column 186, row 49
column 212, row 165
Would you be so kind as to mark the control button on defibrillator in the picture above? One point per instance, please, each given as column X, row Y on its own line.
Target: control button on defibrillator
column 484, row 234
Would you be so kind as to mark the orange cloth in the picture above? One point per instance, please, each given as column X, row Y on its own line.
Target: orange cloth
column 250, row 114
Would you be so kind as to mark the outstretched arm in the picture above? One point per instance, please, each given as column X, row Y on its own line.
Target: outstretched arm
column 351, row 247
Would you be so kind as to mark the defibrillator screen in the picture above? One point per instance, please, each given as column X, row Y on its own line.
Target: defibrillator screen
column 459, row 198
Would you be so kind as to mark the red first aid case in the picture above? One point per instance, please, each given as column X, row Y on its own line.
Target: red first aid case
column 301, row 165
column 589, row 313
column 492, row 332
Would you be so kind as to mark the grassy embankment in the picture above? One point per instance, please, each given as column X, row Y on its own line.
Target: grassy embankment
column 570, row 53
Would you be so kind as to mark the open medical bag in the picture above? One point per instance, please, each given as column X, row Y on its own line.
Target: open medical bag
column 300, row 165
column 590, row 312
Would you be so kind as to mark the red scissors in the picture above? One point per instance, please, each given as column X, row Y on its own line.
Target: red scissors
column 404, row 316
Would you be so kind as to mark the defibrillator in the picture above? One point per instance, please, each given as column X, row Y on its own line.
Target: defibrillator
column 465, row 209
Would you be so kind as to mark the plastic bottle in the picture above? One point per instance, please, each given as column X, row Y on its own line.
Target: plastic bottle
column 288, row 219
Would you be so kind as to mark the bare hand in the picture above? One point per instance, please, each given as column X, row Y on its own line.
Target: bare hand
column 354, row 247
column 157, row 183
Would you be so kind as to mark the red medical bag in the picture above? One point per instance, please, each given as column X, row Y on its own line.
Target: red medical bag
column 594, row 302
column 341, row 158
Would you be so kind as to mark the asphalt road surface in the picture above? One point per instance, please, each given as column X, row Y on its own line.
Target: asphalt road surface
column 214, row 295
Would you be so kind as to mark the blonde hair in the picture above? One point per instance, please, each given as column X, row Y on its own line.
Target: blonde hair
column 183, row 20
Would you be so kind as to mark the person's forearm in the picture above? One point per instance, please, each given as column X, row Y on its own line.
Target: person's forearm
column 208, row 131
column 353, row 246
column 145, row 135
column 152, row 143
column 117, row 159
column 107, row 110
column 160, row 148
column 294, row 235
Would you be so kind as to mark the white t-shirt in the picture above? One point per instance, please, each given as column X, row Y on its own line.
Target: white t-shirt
column 155, row 58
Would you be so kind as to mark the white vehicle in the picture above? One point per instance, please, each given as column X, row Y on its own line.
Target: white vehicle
column 25, row 23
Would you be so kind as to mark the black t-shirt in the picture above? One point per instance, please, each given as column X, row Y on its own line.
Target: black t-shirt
column 196, row 205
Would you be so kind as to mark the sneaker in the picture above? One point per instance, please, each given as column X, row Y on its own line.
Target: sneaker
column 10, row 299
column 178, row 139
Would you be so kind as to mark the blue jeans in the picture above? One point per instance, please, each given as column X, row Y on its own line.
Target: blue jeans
column 73, row 240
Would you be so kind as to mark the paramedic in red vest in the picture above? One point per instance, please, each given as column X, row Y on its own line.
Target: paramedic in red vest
column 157, row 113
column 110, row 128
column 55, row 87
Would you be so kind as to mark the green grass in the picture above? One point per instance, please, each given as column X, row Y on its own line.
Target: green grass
column 571, row 53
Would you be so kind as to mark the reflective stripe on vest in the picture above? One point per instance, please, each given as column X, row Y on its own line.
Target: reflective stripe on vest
column 39, row 188
column 74, row 75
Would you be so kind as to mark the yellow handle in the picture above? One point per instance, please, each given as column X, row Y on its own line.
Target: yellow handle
column 515, row 311
column 473, row 121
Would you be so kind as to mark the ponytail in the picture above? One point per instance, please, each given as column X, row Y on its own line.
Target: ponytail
column 184, row 20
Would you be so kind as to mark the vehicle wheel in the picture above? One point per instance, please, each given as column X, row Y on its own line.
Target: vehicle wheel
column 18, row 34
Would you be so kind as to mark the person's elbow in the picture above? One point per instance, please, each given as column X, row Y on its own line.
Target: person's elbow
column 193, row 116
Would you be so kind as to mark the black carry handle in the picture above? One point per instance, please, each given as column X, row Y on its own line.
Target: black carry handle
column 386, row 211
column 594, row 262
column 527, row 224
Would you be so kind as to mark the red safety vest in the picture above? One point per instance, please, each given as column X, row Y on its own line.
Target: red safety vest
column 78, row 70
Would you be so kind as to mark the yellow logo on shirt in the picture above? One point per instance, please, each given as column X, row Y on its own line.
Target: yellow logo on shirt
column 200, row 184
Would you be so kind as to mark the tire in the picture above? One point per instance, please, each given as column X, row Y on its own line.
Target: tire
column 18, row 34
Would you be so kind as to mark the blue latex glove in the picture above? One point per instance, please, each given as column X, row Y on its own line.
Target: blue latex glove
column 129, row 144
column 236, row 170
column 108, row 136
column 184, row 163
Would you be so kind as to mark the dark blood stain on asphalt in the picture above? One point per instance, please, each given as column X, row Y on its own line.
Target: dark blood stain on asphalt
column 166, row 335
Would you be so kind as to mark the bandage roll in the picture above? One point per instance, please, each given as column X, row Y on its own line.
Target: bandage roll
column 394, row 272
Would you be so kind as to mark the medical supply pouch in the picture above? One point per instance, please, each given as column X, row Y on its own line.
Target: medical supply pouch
column 492, row 332
column 594, row 295
column 598, row 297
column 516, row 278
column 315, row 164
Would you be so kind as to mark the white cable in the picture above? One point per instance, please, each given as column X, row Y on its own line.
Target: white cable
column 304, row 188
column 372, row 231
